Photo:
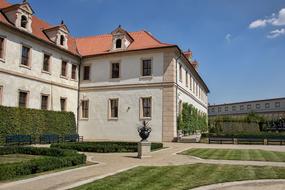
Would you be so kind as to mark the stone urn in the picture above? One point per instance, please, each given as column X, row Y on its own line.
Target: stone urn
column 144, row 131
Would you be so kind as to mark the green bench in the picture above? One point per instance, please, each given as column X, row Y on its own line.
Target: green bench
column 49, row 138
column 18, row 139
column 73, row 138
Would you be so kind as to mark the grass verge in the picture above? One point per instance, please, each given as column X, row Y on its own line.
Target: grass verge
column 236, row 154
column 182, row 177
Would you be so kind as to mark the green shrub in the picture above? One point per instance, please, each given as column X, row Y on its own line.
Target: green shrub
column 35, row 122
column 103, row 147
column 191, row 121
column 55, row 158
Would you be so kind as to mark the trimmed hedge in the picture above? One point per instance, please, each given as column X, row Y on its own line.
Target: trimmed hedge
column 247, row 135
column 55, row 158
column 35, row 122
column 104, row 147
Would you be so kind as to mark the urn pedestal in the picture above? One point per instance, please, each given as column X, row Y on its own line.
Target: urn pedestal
column 144, row 148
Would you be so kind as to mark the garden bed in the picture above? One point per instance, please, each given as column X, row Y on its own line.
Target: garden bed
column 45, row 159
column 104, row 147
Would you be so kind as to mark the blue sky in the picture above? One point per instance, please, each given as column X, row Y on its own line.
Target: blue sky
column 238, row 61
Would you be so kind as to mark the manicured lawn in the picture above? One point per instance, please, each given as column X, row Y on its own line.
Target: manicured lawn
column 182, row 177
column 11, row 158
column 236, row 154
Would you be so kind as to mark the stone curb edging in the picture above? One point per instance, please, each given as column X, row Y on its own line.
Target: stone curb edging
column 77, row 184
column 238, row 183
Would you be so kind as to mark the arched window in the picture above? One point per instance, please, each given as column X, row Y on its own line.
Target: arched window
column 62, row 40
column 118, row 43
column 24, row 21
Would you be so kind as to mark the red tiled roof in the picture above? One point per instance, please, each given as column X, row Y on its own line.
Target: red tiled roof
column 38, row 26
column 102, row 44
column 94, row 45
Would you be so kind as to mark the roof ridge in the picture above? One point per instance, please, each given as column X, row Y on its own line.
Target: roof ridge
column 106, row 34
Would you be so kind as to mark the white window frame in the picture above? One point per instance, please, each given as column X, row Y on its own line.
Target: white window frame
column 110, row 109
column 81, row 109
column 141, row 108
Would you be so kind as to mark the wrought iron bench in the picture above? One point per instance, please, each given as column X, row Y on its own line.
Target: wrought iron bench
column 250, row 141
column 276, row 141
column 49, row 138
column 18, row 139
column 72, row 138
column 221, row 140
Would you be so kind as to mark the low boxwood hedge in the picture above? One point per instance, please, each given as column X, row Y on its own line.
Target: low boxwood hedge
column 104, row 147
column 54, row 158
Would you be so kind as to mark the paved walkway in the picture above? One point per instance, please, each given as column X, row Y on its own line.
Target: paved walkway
column 109, row 164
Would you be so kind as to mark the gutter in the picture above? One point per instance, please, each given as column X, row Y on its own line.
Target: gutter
column 176, row 88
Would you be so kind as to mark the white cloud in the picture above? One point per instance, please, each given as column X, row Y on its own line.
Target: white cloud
column 228, row 38
column 276, row 33
column 257, row 23
column 276, row 20
column 280, row 20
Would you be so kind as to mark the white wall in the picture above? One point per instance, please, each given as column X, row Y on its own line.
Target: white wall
column 130, row 66
column 125, row 128
column 13, row 77
column 186, row 94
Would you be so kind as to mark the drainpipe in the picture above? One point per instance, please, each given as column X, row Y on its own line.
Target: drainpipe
column 176, row 83
column 78, row 94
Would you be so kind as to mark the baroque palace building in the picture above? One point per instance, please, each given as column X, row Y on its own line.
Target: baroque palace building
column 111, row 82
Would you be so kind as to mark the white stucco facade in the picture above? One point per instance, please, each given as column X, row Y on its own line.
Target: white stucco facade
column 32, row 79
column 26, row 43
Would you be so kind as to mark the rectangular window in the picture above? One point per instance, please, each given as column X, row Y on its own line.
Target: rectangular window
column 277, row 104
column 267, row 105
column 86, row 72
column 191, row 83
column 84, row 109
column 233, row 108
column 146, row 67
column 63, row 104
column 113, row 108
column 213, row 110
column 63, row 68
column 180, row 73
column 25, row 56
column 257, row 106
column 186, row 76
column 219, row 109
column 248, row 107
column 226, row 108
column 1, row 48
column 115, row 70
column 46, row 62
column 23, row 99
column 73, row 71
column 44, row 102
column 241, row 107
column 146, row 107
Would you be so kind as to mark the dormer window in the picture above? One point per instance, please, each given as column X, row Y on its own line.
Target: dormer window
column 24, row 21
column 62, row 39
column 118, row 43
column 121, row 39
